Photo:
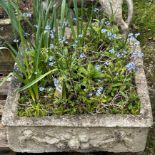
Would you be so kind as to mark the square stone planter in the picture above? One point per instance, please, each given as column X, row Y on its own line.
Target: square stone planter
column 85, row 133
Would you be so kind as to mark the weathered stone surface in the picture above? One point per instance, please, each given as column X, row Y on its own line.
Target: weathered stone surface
column 84, row 133
column 6, row 32
column 3, row 137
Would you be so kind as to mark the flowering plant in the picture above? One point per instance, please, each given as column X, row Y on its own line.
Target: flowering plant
column 68, row 66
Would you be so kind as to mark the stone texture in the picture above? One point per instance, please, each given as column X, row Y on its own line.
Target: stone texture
column 84, row 133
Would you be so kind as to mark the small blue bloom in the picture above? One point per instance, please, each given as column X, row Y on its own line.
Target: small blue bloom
column 130, row 66
column 66, row 42
column 26, row 34
column 49, row 89
column 82, row 55
column 107, row 63
column 56, row 82
column 99, row 91
column 80, row 35
column 109, row 34
column 27, row 14
column 103, row 30
column 107, row 23
column 74, row 45
column 96, row 10
column 112, row 51
column 137, row 34
column 51, row 46
column 15, row 40
column 76, row 41
column 46, row 50
column 137, row 43
column 65, row 24
column 98, row 67
column 125, row 52
column 74, row 19
column 132, row 38
column 130, row 35
column 52, row 35
column 36, row 26
column 47, row 27
column 51, row 63
column 51, row 58
column 62, row 40
column 137, row 54
column 114, row 36
column 118, row 55
column 41, row 89
column 90, row 94
column 101, row 22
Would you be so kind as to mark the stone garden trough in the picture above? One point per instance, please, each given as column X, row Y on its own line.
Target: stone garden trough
column 84, row 133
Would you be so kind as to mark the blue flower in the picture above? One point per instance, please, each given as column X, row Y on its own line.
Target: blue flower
column 130, row 66
column 90, row 94
column 49, row 89
column 137, row 54
column 15, row 40
column 98, row 67
column 107, row 22
column 96, row 10
column 82, row 55
column 64, row 24
column 56, row 82
column 125, row 52
column 132, row 38
column 103, row 30
column 62, row 40
column 114, row 36
column 27, row 14
column 41, row 89
column 26, row 34
column 137, row 34
column 80, row 35
column 47, row 27
column 107, row 63
column 130, row 35
column 51, row 63
column 101, row 22
column 99, row 91
column 118, row 55
column 74, row 19
column 36, row 26
column 112, row 51
column 137, row 43
column 51, row 58
column 51, row 46
column 52, row 35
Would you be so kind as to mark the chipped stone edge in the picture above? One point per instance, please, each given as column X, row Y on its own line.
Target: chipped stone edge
column 144, row 119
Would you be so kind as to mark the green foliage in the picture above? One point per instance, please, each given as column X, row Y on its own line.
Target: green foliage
column 83, row 73
column 144, row 19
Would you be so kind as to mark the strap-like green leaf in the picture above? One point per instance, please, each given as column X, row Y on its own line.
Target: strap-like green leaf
column 35, row 81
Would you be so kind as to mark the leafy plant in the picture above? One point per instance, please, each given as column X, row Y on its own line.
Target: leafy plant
column 73, row 65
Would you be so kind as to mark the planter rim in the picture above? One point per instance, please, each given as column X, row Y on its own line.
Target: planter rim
column 144, row 119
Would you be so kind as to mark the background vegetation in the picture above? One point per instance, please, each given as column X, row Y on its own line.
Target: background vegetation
column 144, row 23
